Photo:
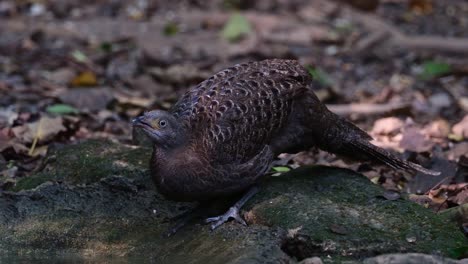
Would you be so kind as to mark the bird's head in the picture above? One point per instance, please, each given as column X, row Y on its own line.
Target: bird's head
column 161, row 127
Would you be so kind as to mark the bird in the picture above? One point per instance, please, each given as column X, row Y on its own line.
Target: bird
column 222, row 136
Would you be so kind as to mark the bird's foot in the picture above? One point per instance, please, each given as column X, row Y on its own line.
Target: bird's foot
column 233, row 213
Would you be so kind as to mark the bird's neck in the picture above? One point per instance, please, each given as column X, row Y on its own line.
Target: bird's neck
column 164, row 160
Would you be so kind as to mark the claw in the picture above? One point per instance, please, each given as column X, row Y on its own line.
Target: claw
column 233, row 213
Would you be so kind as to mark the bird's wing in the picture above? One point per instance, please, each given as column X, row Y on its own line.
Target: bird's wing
column 235, row 113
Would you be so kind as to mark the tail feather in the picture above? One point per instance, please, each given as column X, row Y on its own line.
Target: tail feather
column 344, row 138
column 387, row 158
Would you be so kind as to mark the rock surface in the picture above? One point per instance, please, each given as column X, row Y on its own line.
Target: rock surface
column 95, row 201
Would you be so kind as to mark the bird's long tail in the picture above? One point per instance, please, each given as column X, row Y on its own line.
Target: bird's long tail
column 386, row 157
column 344, row 138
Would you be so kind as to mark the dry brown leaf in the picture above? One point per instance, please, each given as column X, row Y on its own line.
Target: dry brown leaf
column 460, row 198
column 463, row 102
column 136, row 101
column 179, row 74
column 414, row 140
column 7, row 117
column 39, row 151
column 438, row 129
column 387, row 126
column 61, row 76
column 421, row 7
column 86, row 78
column 422, row 199
column 7, row 141
column 461, row 128
column 87, row 99
column 457, row 151
column 44, row 129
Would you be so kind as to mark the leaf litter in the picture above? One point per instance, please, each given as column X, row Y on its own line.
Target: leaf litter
column 88, row 77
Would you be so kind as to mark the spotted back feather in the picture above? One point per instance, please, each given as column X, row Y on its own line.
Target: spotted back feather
column 236, row 112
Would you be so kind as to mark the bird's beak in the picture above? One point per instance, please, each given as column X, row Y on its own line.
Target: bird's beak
column 137, row 120
column 141, row 122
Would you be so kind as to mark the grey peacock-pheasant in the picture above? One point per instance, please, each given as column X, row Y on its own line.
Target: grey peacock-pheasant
column 222, row 136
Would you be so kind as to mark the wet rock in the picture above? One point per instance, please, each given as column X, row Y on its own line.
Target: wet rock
column 95, row 200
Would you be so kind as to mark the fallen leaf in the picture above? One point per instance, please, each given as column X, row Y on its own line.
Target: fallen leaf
column 457, row 151
column 79, row 56
column 143, row 102
column 387, row 126
column 61, row 76
column 438, row 129
column 463, row 102
column 44, row 129
column 433, row 69
column 421, row 7
column 179, row 74
column 414, row 140
column 423, row 199
column 86, row 78
column 461, row 128
column 236, row 27
column 39, row 151
column 61, row 109
column 461, row 197
column 170, row 29
column 90, row 99
column 319, row 75
column 7, row 117
column 7, row 140
column 281, row 169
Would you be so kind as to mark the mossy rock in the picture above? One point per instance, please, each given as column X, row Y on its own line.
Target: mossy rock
column 340, row 213
column 95, row 201
column 89, row 162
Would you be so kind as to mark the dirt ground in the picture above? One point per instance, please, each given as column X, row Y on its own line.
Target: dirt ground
column 74, row 70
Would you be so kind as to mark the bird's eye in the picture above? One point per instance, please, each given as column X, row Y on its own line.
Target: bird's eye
column 162, row 123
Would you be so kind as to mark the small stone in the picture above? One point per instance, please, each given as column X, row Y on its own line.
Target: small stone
column 411, row 239
column 338, row 229
column 312, row 260
column 391, row 195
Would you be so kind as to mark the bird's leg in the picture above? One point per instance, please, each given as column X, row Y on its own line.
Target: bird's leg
column 182, row 219
column 233, row 212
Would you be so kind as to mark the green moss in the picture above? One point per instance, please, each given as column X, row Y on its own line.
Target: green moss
column 89, row 162
column 27, row 183
column 342, row 215
column 321, row 200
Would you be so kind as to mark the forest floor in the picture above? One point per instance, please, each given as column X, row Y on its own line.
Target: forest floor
column 74, row 70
